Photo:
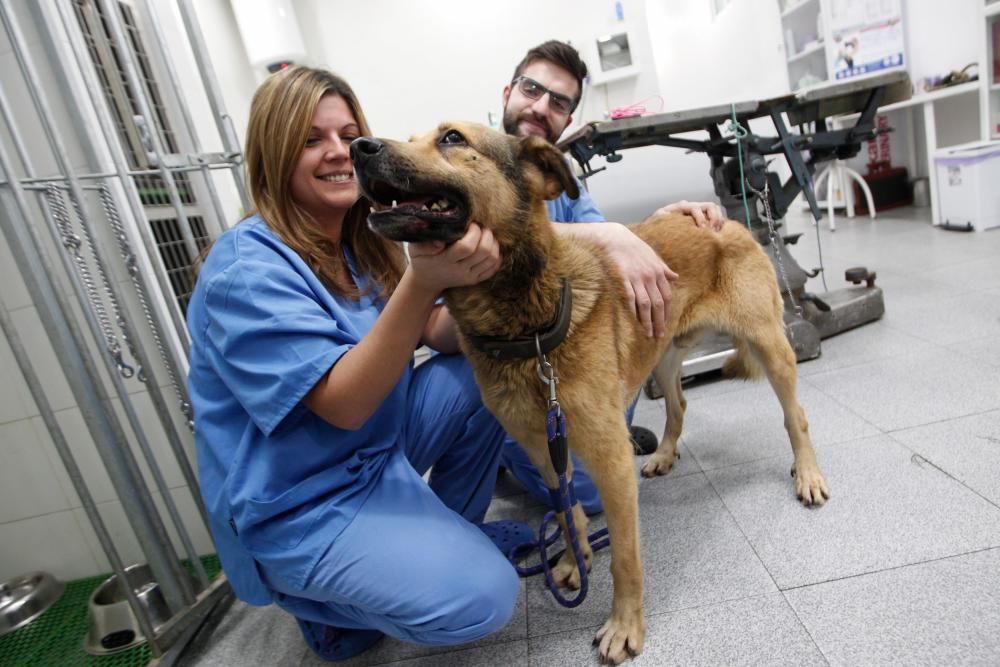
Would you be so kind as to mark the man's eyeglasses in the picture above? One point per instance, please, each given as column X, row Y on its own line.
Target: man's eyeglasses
column 562, row 104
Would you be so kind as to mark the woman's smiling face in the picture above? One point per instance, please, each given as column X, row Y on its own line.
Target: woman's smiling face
column 323, row 180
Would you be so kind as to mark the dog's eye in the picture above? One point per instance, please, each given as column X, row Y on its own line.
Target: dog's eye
column 453, row 137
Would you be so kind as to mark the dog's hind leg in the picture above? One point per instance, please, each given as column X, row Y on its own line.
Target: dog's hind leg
column 775, row 355
column 668, row 376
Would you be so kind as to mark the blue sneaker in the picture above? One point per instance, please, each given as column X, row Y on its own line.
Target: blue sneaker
column 336, row 644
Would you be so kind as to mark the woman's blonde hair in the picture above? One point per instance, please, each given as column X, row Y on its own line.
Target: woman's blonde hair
column 280, row 119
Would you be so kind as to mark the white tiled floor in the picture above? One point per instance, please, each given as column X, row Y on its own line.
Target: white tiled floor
column 902, row 566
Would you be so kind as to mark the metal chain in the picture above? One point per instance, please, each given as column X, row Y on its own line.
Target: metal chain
column 772, row 234
column 131, row 265
column 126, row 334
column 72, row 242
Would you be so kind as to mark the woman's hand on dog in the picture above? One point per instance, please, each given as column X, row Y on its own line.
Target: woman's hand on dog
column 469, row 260
column 705, row 214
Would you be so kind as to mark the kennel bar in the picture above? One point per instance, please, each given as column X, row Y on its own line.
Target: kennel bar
column 223, row 120
column 156, row 327
column 82, row 377
column 139, row 97
column 128, row 330
column 57, row 316
column 114, row 451
column 178, row 92
column 97, row 176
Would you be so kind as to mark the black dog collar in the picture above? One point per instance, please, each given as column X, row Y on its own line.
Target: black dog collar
column 523, row 346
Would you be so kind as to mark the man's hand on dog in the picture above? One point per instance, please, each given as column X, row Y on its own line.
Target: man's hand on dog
column 647, row 278
column 469, row 260
column 705, row 214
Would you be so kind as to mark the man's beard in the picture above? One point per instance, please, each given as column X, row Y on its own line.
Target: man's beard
column 511, row 120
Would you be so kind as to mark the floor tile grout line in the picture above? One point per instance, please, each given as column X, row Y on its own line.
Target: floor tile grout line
column 686, row 608
column 842, row 405
column 962, row 483
column 739, row 527
column 667, row 612
column 795, row 612
column 824, row 445
column 943, row 420
column 889, row 569
column 941, row 347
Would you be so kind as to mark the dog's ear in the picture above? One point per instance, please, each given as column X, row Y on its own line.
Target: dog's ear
column 555, row 170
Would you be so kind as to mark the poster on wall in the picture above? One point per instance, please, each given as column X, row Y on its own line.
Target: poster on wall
column 866, row 37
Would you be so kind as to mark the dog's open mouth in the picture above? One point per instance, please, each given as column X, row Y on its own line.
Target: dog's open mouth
column 401, row 215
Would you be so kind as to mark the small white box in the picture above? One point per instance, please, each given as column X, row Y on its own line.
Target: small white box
column 968, row 184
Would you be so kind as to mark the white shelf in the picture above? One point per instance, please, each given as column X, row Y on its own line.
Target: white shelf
column 921, row 98
column 815, row 48
column 796, row 7
column 995, row 87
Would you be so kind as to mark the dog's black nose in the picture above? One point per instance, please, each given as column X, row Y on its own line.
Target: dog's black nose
column 363, row 147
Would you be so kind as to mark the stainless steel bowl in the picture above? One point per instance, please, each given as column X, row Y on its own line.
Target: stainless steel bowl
column 24, row 598
column 113, row 626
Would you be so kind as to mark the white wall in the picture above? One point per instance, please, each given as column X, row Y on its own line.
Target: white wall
column 440, row 59
column 941, row 36
column 704, row 60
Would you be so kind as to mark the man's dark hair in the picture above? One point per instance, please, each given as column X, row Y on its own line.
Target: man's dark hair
column 558, row 53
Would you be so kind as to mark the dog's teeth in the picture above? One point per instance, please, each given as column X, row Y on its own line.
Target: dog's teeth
column 394, row 203
column 371, row 209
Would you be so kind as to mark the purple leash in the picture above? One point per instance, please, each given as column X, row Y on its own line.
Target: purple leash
column 562, row 500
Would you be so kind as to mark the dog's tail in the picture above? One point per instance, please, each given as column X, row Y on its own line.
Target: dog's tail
column 742, row 364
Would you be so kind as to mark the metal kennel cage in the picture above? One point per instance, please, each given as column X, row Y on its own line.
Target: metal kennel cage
column 106, row 200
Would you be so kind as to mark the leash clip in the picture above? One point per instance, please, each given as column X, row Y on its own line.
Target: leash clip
column 547, row 374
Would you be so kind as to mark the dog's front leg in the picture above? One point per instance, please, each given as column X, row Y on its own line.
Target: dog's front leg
column 609, row 461
column 565, row 573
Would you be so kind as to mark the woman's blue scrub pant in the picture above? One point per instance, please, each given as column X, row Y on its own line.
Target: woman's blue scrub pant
column 412, row 564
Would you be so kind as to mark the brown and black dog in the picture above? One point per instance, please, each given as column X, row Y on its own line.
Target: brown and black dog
column 433, row 185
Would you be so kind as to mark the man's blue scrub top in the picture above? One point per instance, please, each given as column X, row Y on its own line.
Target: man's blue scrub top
column 582, row 209
column 279, row 482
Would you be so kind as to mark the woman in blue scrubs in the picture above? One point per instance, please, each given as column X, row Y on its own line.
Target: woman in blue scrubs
column 313, row 428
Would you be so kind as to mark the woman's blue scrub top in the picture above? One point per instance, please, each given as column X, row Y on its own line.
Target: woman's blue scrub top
column 279, row 482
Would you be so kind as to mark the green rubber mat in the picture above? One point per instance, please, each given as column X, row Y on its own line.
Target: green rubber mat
column 55, row 639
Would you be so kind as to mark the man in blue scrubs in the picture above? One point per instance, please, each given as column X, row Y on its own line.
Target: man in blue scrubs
column 540, row 100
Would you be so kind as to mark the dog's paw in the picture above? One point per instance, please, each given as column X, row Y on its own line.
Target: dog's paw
column 810, row 486
column 621, row 638
column 660, row 463
column 566, row 574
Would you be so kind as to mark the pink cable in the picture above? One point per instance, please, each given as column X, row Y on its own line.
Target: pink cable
column 635, row 109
